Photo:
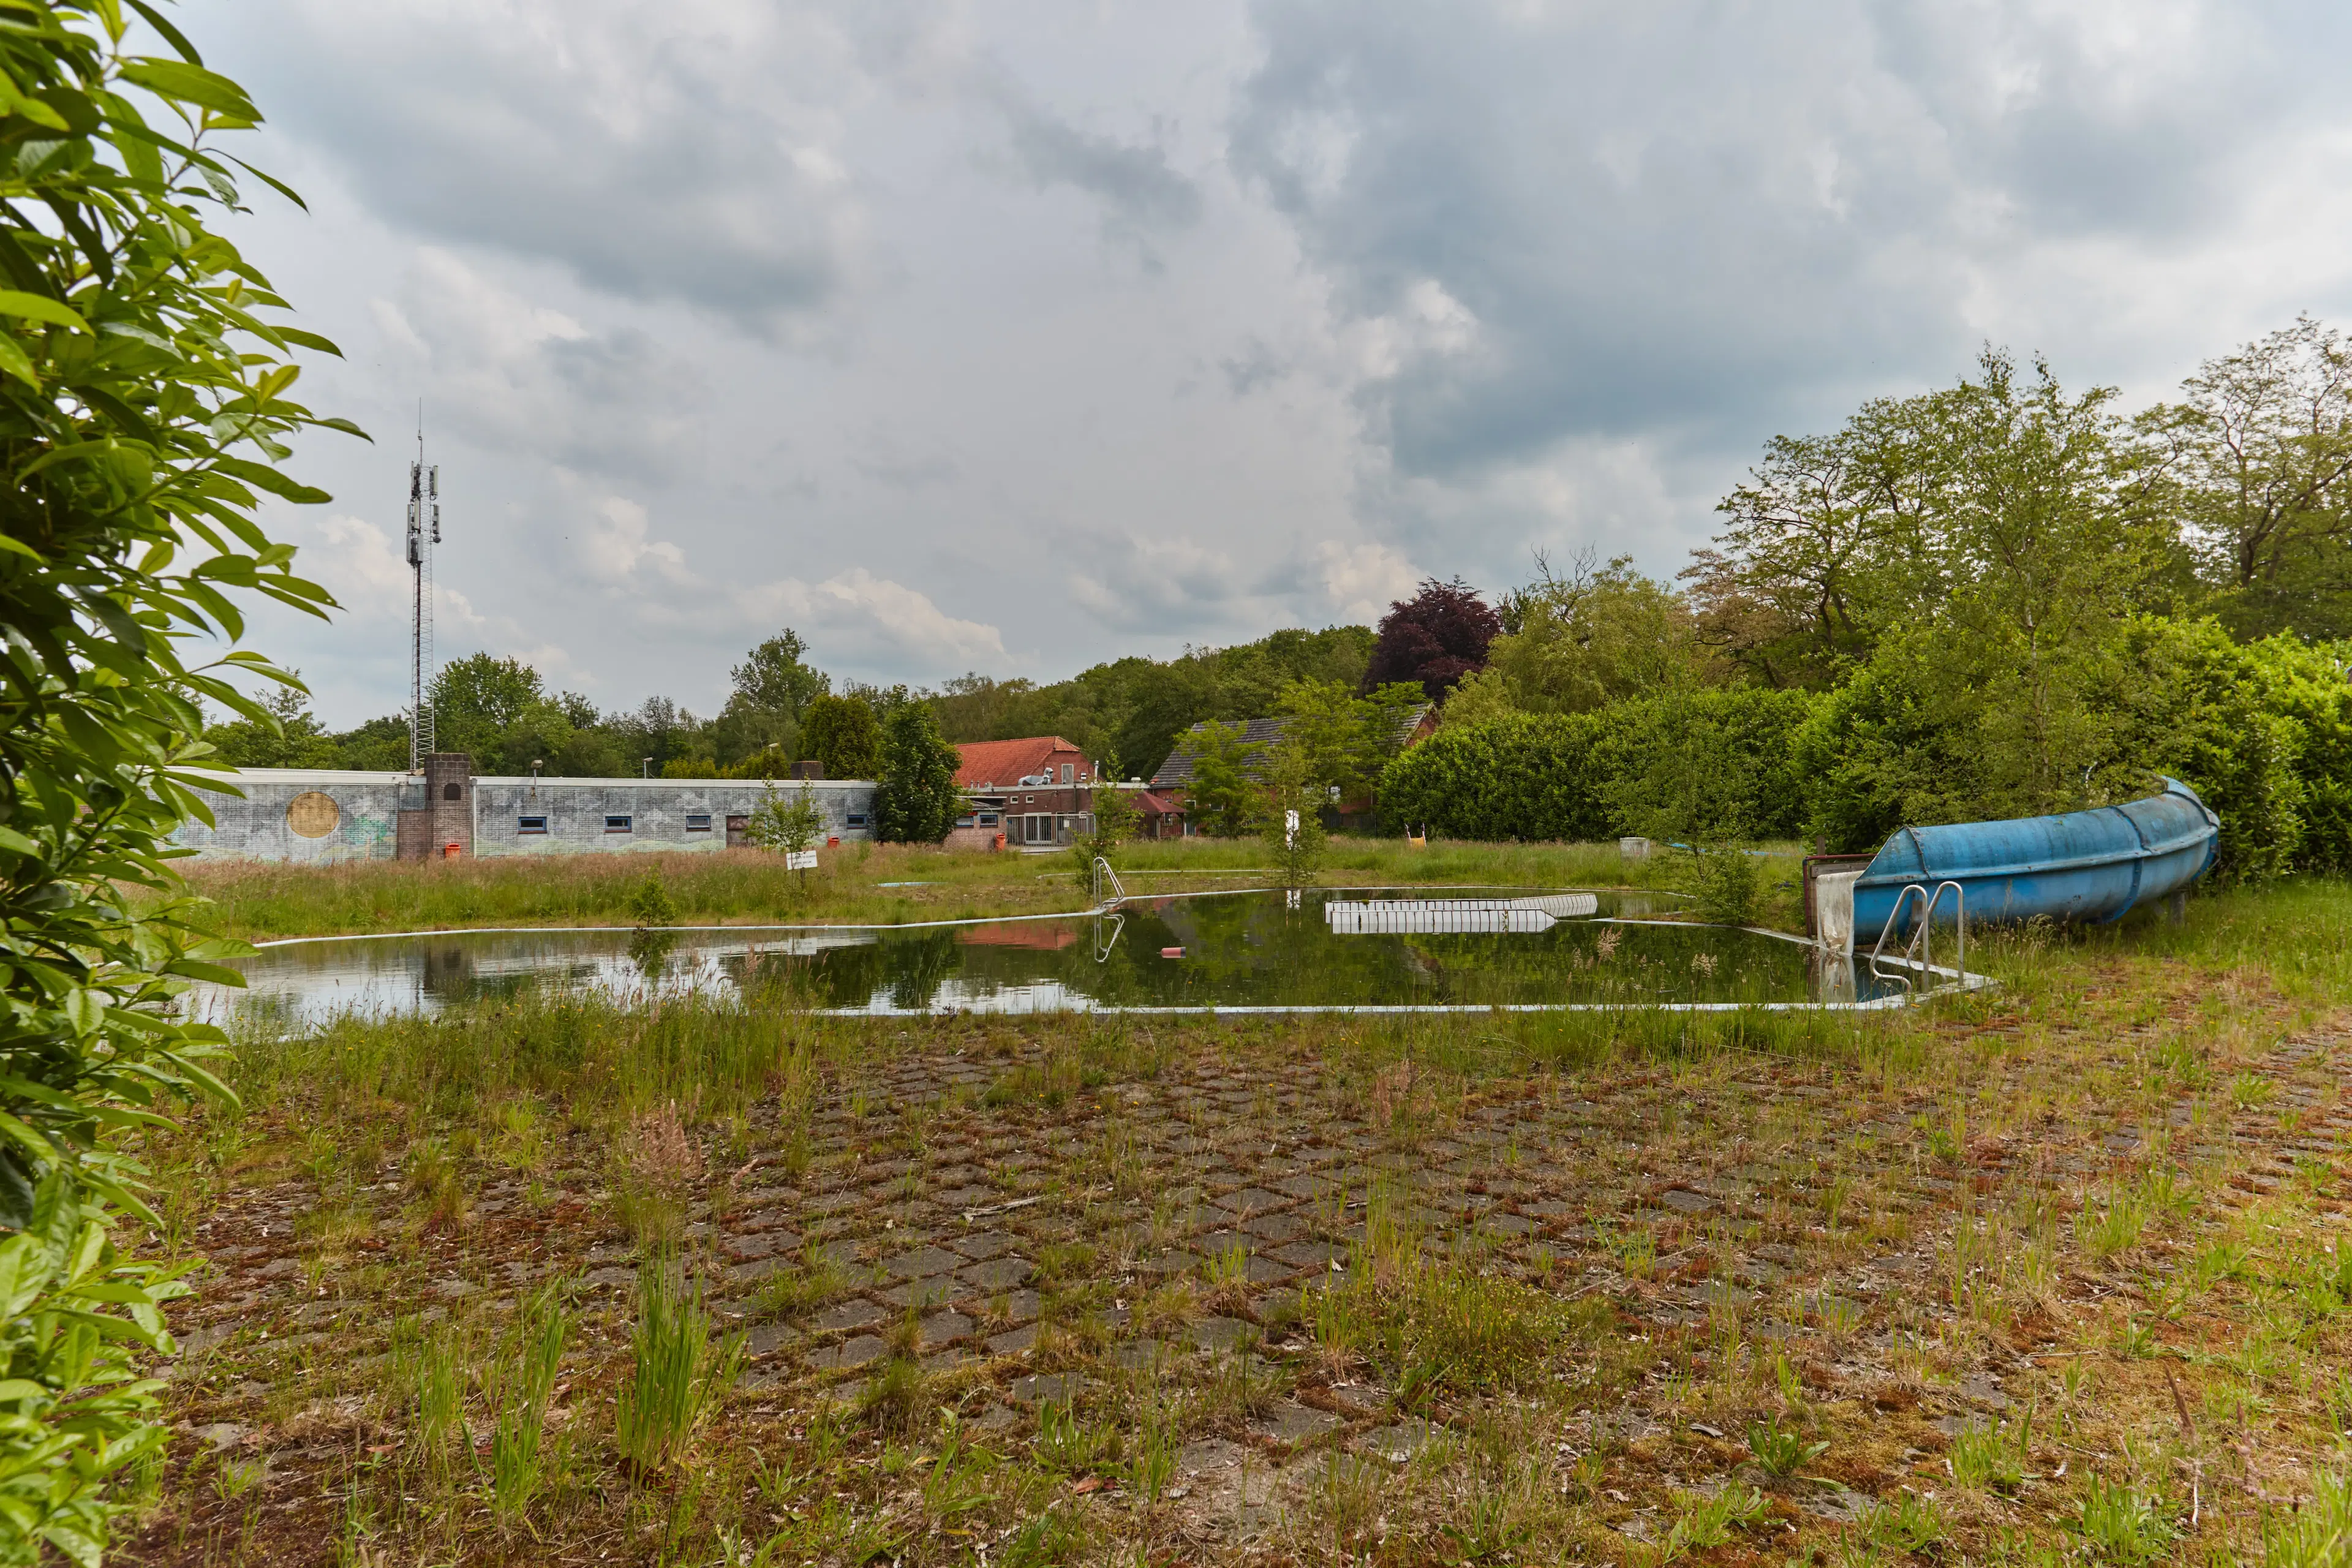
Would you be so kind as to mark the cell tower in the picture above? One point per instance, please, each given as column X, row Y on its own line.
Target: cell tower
column 424, row 533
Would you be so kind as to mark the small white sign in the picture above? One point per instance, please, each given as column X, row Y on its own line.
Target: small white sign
column 800, row 859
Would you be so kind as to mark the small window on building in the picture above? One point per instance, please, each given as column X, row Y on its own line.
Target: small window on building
column 453, row 791
column 1067, row 772
column 857, row 819
column 987, row 819
column 620, row 825
column 697, row 822
column 530, row 825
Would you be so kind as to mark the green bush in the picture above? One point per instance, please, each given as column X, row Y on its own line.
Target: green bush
column 1698, row 764
column 1524, row 776
column 2204, row 710
column 142, row 406
column 916, row 800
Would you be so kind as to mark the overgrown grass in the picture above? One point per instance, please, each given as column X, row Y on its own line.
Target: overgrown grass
column 261, row 903
column 1612, row 1287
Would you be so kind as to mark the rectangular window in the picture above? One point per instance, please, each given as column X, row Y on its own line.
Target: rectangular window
column 1066, row 771
column 857, row 819
column 697, row 822
column 530, row 825
column 987, row 819
column 620, row 825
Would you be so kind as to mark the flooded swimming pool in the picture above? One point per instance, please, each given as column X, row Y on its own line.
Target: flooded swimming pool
column 1324, row 949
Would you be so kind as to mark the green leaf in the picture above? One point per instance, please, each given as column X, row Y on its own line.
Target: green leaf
column 261, row 476
column 184, row 83
column 40, row 307
column 16, row 362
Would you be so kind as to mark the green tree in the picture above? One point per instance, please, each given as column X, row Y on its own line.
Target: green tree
column 478, row 699
column 289, row 736
column 1221, row 797
column 1289, row 817
column 842, row 735
column 773, row 686
column 1343, row 740
column 788, row 826
column 916, row 800
column 1592, row 637
column 2257, row 461
column 143, row 403
column 1115, row 818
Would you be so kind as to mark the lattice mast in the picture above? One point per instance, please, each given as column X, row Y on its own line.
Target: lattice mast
column 424, row 533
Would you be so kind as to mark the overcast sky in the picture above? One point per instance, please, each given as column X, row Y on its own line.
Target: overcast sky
column 1014, row 337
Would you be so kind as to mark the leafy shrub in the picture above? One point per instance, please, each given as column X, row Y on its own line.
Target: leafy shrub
column 1697, row 765
column 143, row 405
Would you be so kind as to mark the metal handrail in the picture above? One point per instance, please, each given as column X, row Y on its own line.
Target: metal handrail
column 1922, row 939
column 1102, row 944
column 1103, row 874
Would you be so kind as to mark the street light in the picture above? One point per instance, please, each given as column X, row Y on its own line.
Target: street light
column 649, row 768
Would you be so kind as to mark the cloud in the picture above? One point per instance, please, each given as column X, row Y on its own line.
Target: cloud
column 1140, row 194
column 1685, row 220
column 861, row 609
column 686, row 153
column 1361, row 581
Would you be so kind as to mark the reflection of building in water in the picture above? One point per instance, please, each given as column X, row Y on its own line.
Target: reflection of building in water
column 1039, row 936
column 445, row 971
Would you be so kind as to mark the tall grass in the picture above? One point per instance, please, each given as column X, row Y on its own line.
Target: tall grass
column 677, row 1373
column 261, row 902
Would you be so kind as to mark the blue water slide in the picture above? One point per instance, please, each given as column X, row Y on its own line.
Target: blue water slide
column 2080, row 866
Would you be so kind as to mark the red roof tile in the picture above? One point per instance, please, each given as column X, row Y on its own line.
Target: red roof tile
column 1001, row 764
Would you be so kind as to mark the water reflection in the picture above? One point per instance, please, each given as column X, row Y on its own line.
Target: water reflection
column 1229, row 951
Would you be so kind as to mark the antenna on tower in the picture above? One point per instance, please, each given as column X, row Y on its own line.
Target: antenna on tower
column 424, row 533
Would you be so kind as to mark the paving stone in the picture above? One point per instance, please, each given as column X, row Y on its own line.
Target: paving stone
column 936, row 1291
column 1221, row 1333
column 756, row 1270
column 1251, row 1200
column 852, row 1314
column 945, row 1327
column 1295, row 1423
column 761, row 1244
column 769, row 1338
column 996, row 1274
column 865, row 1348
column 922, row 1262
column 1305, row 1185
column 1142, row 1356
column 1275, row 1226
column 1683, row 1202
column 1013, row 1341
column 1209, row 1455
column 1267, row 1270
column 1311, row 1254
column 981, row 1245
column 1048, row 1388
column 1400, row 1442
column 1508, row 1224
column 599, row 1279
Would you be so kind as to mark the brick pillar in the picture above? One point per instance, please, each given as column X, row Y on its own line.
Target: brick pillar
column 449, row 797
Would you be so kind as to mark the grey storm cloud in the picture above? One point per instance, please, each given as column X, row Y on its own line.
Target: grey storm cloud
column 1029, row 337
column 1675, row 215
column 643, row 163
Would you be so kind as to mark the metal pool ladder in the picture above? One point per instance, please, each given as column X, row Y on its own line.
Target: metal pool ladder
column 1103, row 876
column 1918, row 949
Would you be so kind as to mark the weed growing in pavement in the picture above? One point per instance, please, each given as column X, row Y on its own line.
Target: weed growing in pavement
column 1704, row 1524
column 677, row 1370
column 2122, row 1524
column 519, row 1381
column 1987, row 1458
column 2318, row 1534
column 1780, row 1450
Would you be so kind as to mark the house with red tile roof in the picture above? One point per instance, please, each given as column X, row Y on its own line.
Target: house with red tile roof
column 1037, row 791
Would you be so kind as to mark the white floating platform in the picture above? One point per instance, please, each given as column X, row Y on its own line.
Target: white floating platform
column 1363, row 916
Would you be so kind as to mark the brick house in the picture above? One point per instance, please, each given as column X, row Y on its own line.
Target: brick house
column 1036, row 791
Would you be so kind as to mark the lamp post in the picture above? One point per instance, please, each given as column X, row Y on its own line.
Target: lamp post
column 648, row 772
